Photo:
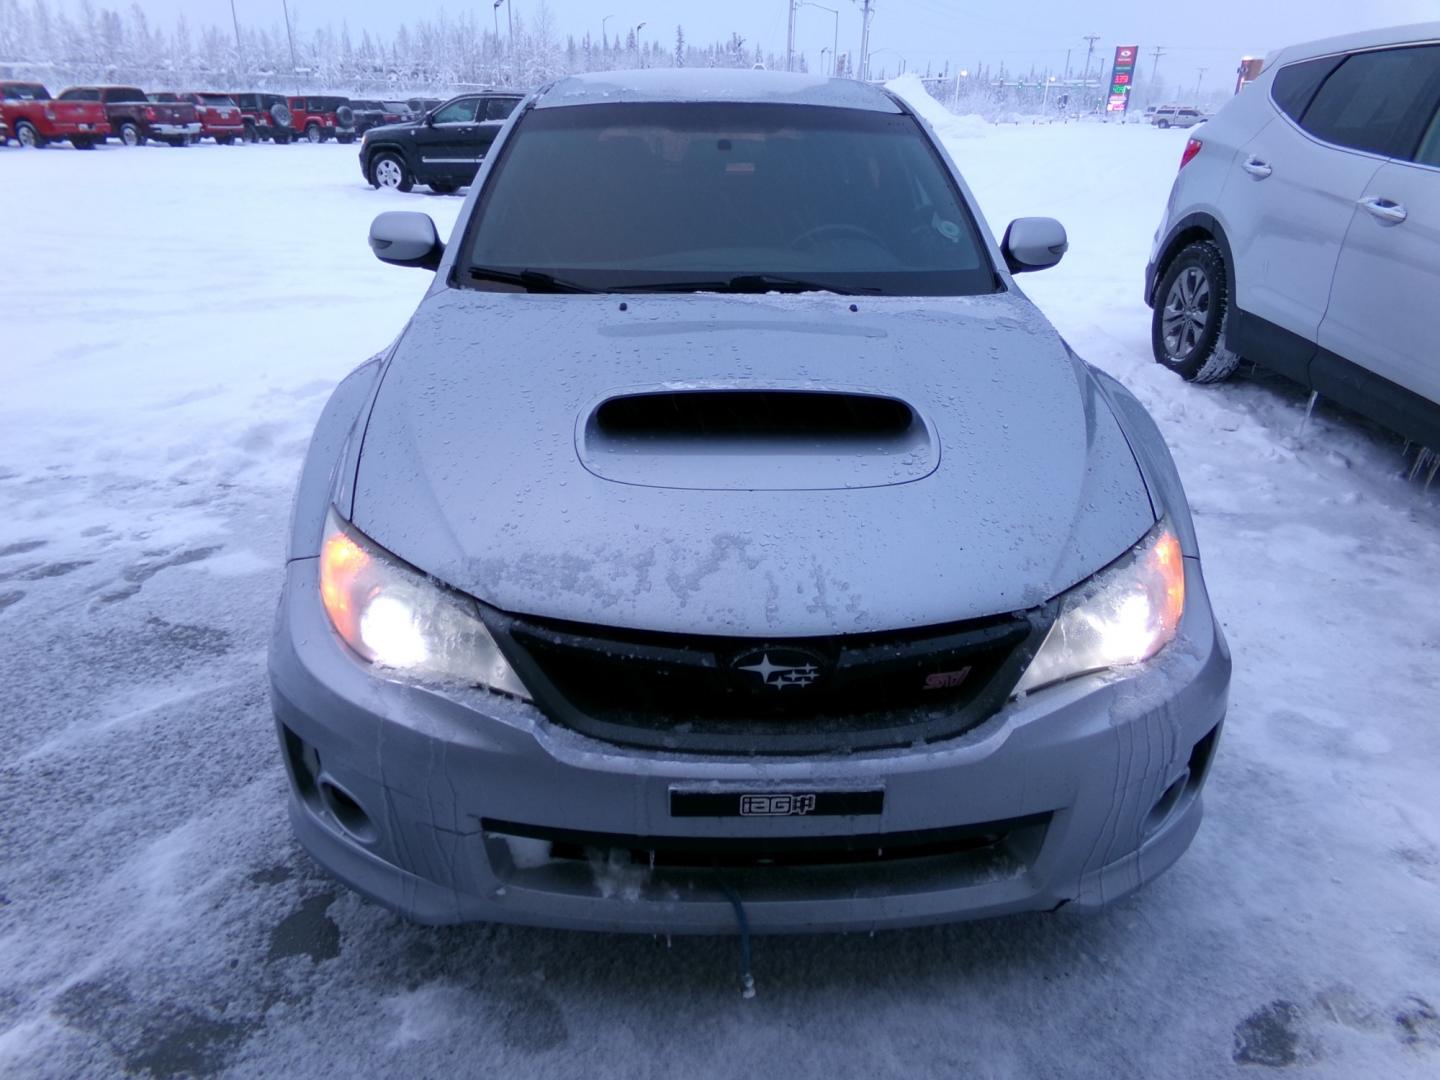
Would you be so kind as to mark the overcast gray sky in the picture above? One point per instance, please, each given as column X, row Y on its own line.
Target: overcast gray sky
column 1213, row 33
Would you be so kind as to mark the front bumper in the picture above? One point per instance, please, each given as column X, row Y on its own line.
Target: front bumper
column 416, row 799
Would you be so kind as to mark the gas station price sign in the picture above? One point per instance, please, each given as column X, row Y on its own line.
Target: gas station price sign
column 1122, row 78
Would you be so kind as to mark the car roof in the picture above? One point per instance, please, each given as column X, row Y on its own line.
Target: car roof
column 713, row 84
column 1365, row 39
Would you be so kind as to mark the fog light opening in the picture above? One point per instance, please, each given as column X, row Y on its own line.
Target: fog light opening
column 347, row 812
column 1165, row 806
column 304, row 764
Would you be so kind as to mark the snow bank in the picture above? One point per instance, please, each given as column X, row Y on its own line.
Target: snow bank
column 946, row 124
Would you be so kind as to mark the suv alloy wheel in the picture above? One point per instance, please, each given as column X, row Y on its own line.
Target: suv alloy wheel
column 1187, row 329
column 388, row 170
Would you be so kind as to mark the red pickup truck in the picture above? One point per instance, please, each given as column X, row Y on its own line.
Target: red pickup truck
column 136, row 118
column 34, row 119
column 319, row 118
column 220, row 117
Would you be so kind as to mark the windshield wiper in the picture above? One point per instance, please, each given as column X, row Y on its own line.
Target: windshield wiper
column 530, row 280
column 745, row 283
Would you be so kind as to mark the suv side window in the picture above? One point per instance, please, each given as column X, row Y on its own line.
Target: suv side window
column 458, row 112
column 1429, row 152
column 500, row 108
column 1295, row 84
column 1377, row 101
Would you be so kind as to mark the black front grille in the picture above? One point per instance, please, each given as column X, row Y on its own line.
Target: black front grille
column 775, row 851
column 757, row 696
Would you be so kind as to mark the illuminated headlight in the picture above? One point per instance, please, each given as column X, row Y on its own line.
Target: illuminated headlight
column 395, row 617
column 1123, row 615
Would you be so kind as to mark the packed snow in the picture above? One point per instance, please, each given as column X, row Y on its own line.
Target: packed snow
column 173, row 322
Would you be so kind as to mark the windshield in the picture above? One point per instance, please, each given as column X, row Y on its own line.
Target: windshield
column 25, row 93
column 702, row 195
column 216, row 99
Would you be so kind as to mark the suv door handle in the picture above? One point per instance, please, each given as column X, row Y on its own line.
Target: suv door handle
column 1384, row 209
column 1256, row 168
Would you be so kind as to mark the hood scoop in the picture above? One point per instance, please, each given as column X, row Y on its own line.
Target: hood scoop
column 749, row 439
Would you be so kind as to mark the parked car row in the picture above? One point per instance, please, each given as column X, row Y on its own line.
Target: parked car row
column 86, row 115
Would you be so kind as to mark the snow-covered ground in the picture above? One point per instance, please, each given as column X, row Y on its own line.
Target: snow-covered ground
column 170, row 324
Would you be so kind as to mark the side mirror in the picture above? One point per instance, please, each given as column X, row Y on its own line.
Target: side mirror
column 1033, row 243
column 430, row 119
column 405, row 238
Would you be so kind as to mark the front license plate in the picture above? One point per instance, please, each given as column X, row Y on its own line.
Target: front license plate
column 775, row 803
column 84, row 127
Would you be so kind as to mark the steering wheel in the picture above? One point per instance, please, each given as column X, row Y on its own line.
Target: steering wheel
column 839, row 229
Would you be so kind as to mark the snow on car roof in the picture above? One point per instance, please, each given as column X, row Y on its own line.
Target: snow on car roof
column 714, row 84
column 1365, row 39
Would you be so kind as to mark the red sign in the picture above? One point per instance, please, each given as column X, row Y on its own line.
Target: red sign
column 1122, row 76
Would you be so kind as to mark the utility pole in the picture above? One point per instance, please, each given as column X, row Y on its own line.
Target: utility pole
column 790, row 40
column 1155, row 55
column 1090, row 40
column 867, row 14
column 510, row 24
column 1199, row 76
column 1067, row 64
column 294, row 64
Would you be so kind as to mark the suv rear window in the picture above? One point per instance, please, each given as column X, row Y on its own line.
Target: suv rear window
column 125, row 93
column 1379, row 101
column 216, row 99
column 80, row 95
column 1295, row 84
column 680, row 197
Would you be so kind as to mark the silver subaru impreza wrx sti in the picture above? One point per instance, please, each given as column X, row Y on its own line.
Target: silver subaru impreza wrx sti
column 726, row 534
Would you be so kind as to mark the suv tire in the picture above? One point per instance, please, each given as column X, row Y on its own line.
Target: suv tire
column 313, row 133
column 441, row 188
column 251, row 135
column 1162, row 123
column 130, row 134
column 387, row 170
column 1192, row 307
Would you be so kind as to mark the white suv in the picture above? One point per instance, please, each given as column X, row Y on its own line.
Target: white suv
column 1180, row 116
column 1303, row 231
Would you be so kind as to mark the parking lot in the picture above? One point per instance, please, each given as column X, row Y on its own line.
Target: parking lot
column 174, row 319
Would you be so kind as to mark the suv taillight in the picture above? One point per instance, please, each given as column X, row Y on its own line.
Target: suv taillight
column 150, row 114
column 1191, row 149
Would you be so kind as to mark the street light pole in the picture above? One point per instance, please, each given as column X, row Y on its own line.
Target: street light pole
column 294, row 64
column 605, row 40
column 639, row 55
column 239, row 48
column 1200, row 74
column 835, row 44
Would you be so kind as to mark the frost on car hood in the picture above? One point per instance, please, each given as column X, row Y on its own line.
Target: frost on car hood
column 471, row 464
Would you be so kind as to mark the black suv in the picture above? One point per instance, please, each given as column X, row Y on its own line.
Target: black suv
column 443, row 148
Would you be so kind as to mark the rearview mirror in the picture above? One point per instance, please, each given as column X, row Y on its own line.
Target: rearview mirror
column 1033, row 243
column 405, row 238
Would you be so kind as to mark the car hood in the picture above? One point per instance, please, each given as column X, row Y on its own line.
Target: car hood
column 483, row 464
